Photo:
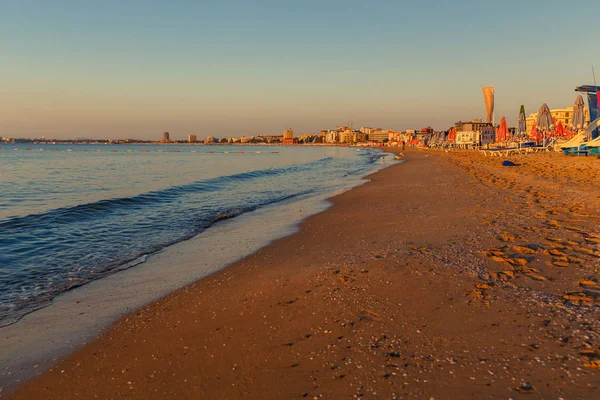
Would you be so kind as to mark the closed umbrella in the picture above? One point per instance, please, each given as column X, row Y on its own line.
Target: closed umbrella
column 560, row 129
column 522, row 121
column 578, row 120
column 568, row 133
column 534, row 134
column 452, row 135
column 502, row 131
column 544, row 120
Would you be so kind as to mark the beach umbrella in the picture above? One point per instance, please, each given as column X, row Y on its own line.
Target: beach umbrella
column 522, row 121
column 502, row 133
column 534, row 134
column 578, row 113
column 560, row 130
column 568, row 133
column 544, row 119
column 452, row 135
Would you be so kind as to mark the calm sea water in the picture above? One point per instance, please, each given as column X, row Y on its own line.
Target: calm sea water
column 70, row 214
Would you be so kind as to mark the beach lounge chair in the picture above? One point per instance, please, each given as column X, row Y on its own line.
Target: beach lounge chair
column 574, row 146
column 592, row 147
column 500, row 151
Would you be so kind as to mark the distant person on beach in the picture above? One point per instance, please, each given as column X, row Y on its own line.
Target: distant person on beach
column 403, row 144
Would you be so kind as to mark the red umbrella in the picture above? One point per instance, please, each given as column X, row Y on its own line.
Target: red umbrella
column 502, row 131
column 560, row 130
column 452, row 135
column 534, row 134
column 568, row 133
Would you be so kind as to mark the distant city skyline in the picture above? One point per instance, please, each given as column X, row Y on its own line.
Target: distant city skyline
column 72, row 69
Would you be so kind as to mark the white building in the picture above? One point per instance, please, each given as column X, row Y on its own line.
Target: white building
column 332, row 137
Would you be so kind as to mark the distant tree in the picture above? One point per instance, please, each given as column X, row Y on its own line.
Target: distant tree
column 386, row 140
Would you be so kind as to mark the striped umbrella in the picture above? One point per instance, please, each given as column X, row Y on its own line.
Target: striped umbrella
column 578, row 113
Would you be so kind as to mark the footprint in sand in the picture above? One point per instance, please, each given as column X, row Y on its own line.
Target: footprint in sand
column 575, row 260
column 535, row 277
column 483, row 286
column 590, row 288
column 532, row 273
column 553, row 224
column 507, row 237
column 558, row 246
column 518, row 261
column 523, row 250
column 578, row 298
column 345, row 279
column 422, row 250
column 589, row 252
column 590, row 354
column 556, row 263
column 495, row 253
column 556, row 253
column 576, row 229
column 592, row 239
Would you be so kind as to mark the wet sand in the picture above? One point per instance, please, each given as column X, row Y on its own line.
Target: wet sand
column 448, row 276
column 38, row 340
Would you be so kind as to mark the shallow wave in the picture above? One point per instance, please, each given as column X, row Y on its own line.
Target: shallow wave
column 67, row 214
column 21, row 302
column 45, row 254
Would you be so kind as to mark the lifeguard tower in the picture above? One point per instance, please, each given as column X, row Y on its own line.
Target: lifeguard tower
column 592, row 93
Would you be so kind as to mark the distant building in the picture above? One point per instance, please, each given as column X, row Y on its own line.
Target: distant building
column 368, row 130
column 165, row 138
column 350, row 136
column 474, row 125
column 192, row 138
column 209, row 140
column 380, row 136
column 361, row 137
column 288, row 137
column 332, row 136
column 346, row 136
column 468, row 133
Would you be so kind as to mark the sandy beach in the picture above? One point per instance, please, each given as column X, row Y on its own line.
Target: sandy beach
column 446, row 276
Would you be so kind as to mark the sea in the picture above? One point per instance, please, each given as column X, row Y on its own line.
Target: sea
column 72, row 214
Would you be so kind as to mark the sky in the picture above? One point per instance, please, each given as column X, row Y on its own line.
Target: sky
column 128, row 68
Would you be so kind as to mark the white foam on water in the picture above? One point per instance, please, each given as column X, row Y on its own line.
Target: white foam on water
column 35, row 342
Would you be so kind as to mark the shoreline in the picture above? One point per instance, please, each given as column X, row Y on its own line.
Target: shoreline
column 38, row 339
column 389, row 299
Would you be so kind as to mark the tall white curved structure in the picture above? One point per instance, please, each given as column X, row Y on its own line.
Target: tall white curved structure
column 488, row 97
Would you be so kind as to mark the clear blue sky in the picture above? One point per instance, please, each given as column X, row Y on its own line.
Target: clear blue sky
column 132, row 68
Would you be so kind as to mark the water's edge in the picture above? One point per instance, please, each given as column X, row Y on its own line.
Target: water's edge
column 39, row 339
